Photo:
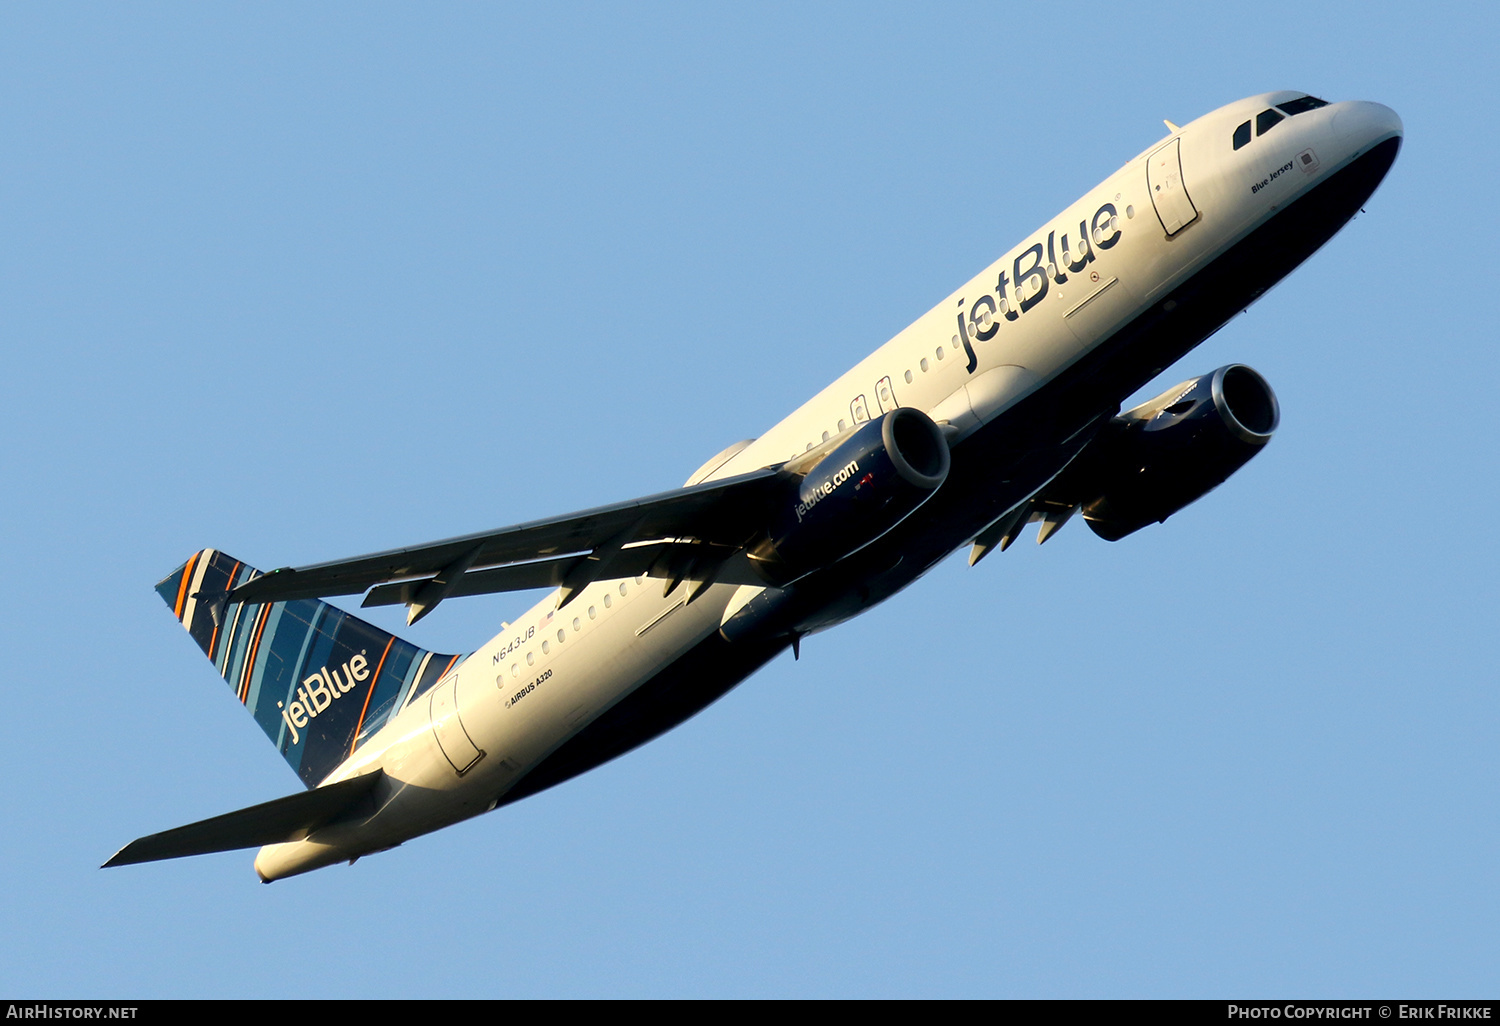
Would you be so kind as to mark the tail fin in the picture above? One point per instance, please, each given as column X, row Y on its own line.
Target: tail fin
column 317, row 680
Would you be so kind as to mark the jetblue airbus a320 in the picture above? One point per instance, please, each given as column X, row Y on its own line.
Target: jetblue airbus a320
column 998, row 407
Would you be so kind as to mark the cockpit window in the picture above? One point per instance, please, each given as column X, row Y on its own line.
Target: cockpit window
column 1306, row 103
column 1266, row 120
column 1242, row 135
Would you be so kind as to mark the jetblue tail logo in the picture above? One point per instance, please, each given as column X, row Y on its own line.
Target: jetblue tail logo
column 292, row 662
column 321, row 690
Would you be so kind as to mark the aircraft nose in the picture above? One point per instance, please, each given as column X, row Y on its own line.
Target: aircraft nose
column 1362, row 123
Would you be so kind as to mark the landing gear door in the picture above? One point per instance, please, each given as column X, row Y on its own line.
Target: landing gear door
column 1168, row 193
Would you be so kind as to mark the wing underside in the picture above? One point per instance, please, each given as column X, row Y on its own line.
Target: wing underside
column 686, row 534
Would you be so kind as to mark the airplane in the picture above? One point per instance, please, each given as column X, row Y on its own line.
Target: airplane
column 998, row 408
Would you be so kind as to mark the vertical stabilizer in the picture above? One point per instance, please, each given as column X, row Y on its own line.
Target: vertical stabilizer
column 317, row 680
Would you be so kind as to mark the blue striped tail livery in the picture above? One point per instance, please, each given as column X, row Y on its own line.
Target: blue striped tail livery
column 318, row 680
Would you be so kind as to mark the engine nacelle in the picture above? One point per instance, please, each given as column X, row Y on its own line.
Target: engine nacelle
column 1153, row 460
column 863, row 487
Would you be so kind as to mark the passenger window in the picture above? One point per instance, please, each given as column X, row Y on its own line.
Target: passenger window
column 1242, row 135
column 1266, row 120
column 607, row 602
column 530, row 658
column 908, row 377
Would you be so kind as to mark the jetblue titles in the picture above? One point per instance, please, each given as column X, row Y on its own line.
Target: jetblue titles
column 1026, row 284
column 822, row 491
column 321, row 690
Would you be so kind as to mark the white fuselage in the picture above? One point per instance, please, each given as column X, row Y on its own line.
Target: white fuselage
column 1013, row 330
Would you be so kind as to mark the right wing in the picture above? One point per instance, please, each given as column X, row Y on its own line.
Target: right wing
column 687, row 533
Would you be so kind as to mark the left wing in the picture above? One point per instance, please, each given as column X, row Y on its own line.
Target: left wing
column 685, row 534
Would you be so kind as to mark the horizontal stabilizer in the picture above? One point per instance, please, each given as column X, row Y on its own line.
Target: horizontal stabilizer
column 285, row 819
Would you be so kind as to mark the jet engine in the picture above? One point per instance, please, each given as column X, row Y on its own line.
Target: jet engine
column 1151, row 461
column 843, row 500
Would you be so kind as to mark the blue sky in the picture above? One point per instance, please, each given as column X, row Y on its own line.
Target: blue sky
column 305, row 282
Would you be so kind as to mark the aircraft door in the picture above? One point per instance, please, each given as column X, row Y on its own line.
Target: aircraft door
column 859, row 410
column 448, row 728
column 1168, row 193
column 886, row 394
